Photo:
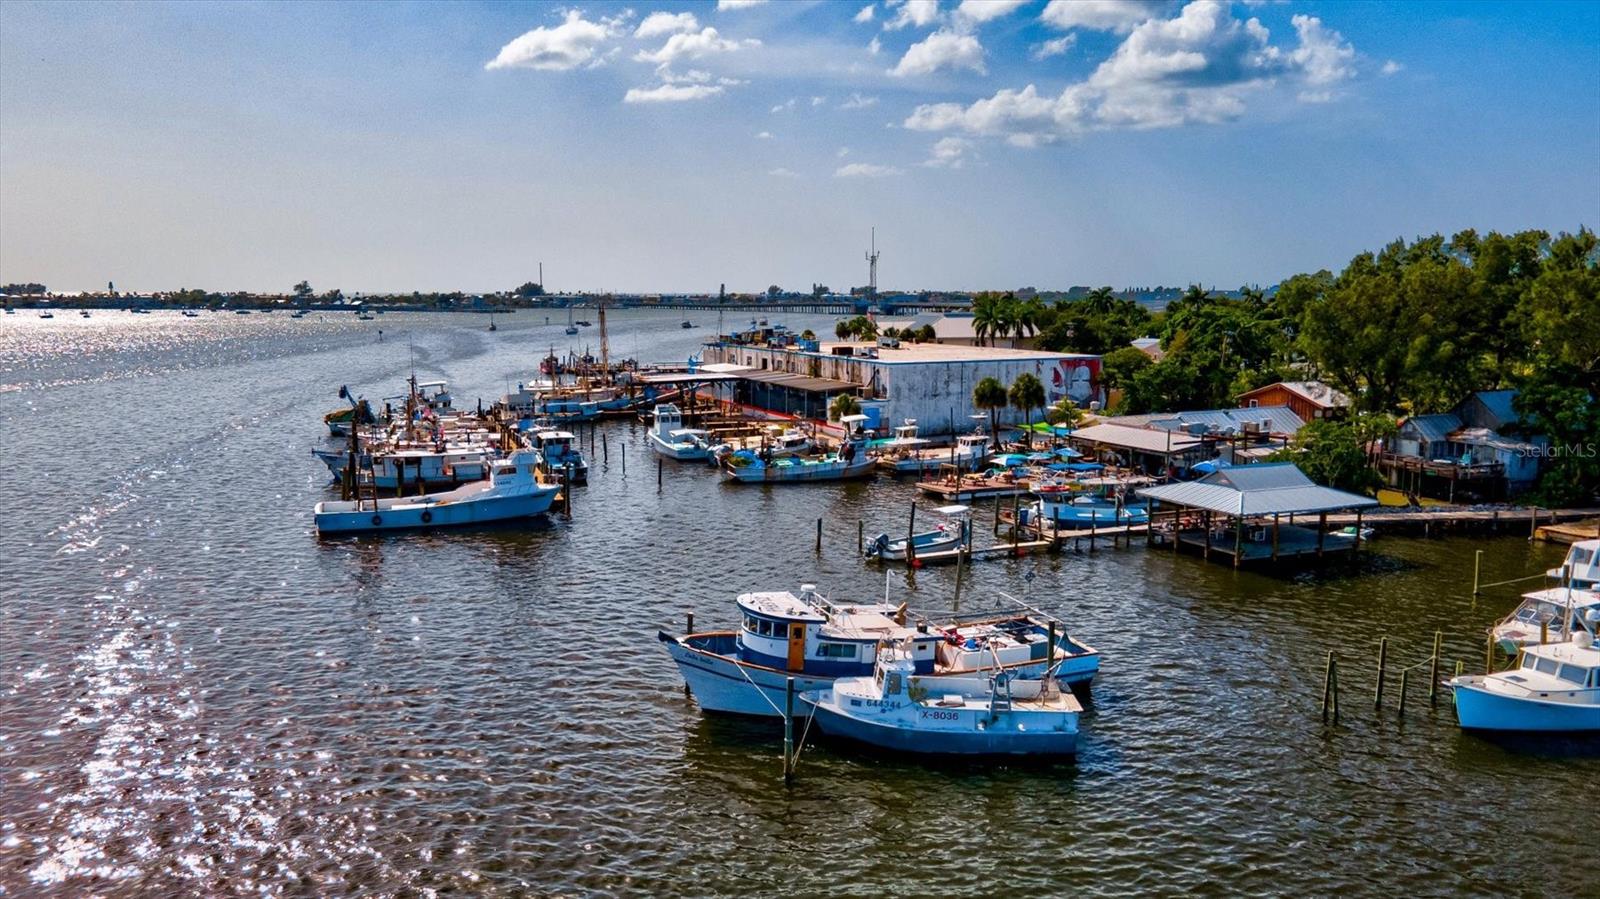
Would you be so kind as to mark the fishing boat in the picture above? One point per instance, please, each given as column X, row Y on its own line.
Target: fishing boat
column 687, row 325
column 669, row 438
column 768, row 465
column 949, row 534
column 559, row 450
column 190, row 313
column 47, row 314
column 84, row 313
column 511, row 492
column 415, row 469
column 996, row 714
column 1581, row 568
column 1554, row 689
column 1068, row 512
column 1551, row 615
column 906, row 453
column 815, row 640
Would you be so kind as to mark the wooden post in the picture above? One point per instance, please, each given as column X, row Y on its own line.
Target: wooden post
column 1477, row 566
column 1544, row 632
column 1330, row 689
column 1094, row 515
column 1275, row 555
column 658, row 472
column 567, row 490
column 1016, row 525
column 1206, row 553
column 1383, row 657
column 819, row 536
column 911, row 530
column 1050, row 653
column 1533, row 522
column 861, row 536
column 605, row 450
column 624, row 448
column 1433, row 671
column 1405, row 675
column 1238, row 537
column 788, row 731
column 1322, row 528
column 996, row 507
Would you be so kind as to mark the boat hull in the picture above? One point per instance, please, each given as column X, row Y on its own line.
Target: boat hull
column 800, row 474
column 721, row 683
column 332, row 518
column 958, row 735
column 1479, row 708
column 680, row 452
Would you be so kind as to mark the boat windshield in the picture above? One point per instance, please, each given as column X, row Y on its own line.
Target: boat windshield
column 1536, row 611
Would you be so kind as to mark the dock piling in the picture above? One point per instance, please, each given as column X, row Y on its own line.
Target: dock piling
column 819, row 536
column 658, row 472
column 1477, row 567
column 788, row 731
column 1383, row 656
column 1405, row 676
column 1330, row 688
column 861, row 536
column 1433, row 671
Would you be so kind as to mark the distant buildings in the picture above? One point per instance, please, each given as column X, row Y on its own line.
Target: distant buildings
column 1467, row 453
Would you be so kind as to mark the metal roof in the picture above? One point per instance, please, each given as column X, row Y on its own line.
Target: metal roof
column 1262, row 489
column 799, row 382
column 1282, row 419
column 1498, row 402
column 1433, row 428
column 1312, row 391
column 1141, row 439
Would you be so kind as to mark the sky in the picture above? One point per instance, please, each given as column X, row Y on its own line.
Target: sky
column 679, row 147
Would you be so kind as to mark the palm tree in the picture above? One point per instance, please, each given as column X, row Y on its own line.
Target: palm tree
column 866, row 328
column 842, row 405
column 1100, row 301
column 990, row 395
column 1026, row 395
column 986, row 317
column 841, row 330
column 1028, row 313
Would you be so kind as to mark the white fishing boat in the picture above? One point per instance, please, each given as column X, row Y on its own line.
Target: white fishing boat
column 561, row 455
column 668, row 437
column 511, row 492
column 947, row 535
column 416, row 470
column 1083, row 511
column 1552, row 615
column 1581, row 568
column 767, row 466
column 1555, row 689
column 996, row 714
column 814, row 640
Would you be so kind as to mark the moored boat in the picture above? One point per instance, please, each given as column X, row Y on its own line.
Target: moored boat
column 995, row 714
column 1552, row 615
column 668, row 437
column 814, row 640
column 1554, row 689
column 512, row 491
column 1083, row 511
column 948, row 535
column 561, row 455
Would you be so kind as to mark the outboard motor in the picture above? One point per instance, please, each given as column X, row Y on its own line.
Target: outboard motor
column 877, row 546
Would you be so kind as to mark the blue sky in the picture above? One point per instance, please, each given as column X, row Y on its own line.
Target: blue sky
column 455, row 146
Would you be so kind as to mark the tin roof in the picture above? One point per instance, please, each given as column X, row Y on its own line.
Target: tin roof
column 1142, row 439
column 1281, row 419
column 1312, row 391
column 1498, row 403
column 799, row 382
column 1433, row 428
column 1263, row 489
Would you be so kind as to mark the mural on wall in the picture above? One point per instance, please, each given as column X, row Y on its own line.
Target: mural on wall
column 1074, row 378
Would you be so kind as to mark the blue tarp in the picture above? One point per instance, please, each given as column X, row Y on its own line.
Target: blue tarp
column 1209, row 466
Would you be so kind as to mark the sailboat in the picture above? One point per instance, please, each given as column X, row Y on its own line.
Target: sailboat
column 571, row 328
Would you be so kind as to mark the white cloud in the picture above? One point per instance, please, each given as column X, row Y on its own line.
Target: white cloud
column 985, row 10
column 693, row 45
column 782, row 172
column 865, row 15
column 843, row 152
column 671, row 93
column 949, row 153
column 1054, row 47
column 920, row 13
column 874, row 46
column 818, row 101
column 659, row 23
column 1195, row 68
column 856, row 101
column 943, row 49
column 1391, row 68
column 738, row 4
column 865, row 170
column 693, row 76
column 558, row 49
column 1120, row 16
column 764, row 135
column 785, row 106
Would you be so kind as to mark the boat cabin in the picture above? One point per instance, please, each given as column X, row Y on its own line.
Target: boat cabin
column 1580, row 570
column 1552, row 615
column 1573, row 665
column 809, row 634
column 668, row 418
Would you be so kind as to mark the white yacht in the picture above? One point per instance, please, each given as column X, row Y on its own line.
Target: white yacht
column 668, row 437
column 1555, row 688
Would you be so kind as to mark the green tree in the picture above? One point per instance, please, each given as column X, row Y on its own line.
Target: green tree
column 303, row 290
column 1118, row 367
column 988, row 317
column 842, row 405
column 841, row 329
column 1336, row 452
column 989, row 395
column 925, row 334
column 1026, row 394
column 529, row 290
column 1064, row 412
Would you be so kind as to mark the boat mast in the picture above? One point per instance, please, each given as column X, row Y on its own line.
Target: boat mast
column 605, row 346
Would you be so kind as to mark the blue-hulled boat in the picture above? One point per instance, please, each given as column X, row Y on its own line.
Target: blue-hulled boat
column 1555, row 689
column 948, row 535
column 1083, row 511
column 996, row 714
column 815, row 640
column 561, row 454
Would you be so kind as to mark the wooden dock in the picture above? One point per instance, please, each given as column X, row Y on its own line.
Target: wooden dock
column 971, row 488
column 1571, row 532
column 1526, row 521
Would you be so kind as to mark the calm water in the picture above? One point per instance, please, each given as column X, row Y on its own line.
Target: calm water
column 197, row 696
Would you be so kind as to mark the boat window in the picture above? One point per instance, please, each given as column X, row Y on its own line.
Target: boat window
column 894, row 683
column 1574, row 674
column 836, row 650
column 1580, row 556
column 1527, row 662
column 764, row 628
column 1546, row 666
column 749, row 624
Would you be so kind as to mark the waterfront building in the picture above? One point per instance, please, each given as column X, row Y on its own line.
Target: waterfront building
column 1464, row 453
column 1310, row 400
column 932, row 383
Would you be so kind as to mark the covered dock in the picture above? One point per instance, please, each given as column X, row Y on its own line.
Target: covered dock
column 1246, row 514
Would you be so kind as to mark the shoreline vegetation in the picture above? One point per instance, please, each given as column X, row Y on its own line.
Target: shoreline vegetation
column 1411, row 329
